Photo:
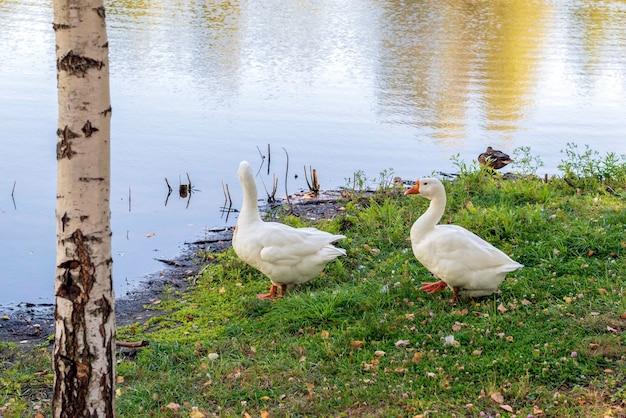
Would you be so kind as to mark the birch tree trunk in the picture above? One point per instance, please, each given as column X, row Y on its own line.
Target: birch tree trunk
column 84, row 343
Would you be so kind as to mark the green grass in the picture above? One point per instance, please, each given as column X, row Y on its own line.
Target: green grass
column 551, row 343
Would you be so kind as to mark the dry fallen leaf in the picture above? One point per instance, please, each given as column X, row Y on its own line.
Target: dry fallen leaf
column 357, row 344
column 379, row 353
column 402, row 343
column 593, row 346
column 120, row 379
column 497, row 398
column 602, row 291
column 537, row 410
column 507, row 408
column 150, row 235
column 324, row 334
column 173, row 406
column 265, row 414
column 502, row 309
column 477, row 352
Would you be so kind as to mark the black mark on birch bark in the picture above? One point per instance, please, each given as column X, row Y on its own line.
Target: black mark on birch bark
column 57, row 26
column 64, row 146
column 101, row 12
column 76, row 285
column 64, row 221
column 88, row 129
column 77, row 65
column 107, row 111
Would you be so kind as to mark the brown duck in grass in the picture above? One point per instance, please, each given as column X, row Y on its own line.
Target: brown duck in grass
column 494, row 158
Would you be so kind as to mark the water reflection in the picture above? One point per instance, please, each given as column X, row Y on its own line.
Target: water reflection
column 343, row 85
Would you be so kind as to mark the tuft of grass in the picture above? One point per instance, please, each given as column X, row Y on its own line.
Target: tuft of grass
column 363, row 340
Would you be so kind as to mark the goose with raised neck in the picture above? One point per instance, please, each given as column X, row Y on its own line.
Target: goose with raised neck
column 286, row 255
column 460, row 259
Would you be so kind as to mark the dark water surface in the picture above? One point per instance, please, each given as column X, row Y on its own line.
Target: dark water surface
column 342, row 85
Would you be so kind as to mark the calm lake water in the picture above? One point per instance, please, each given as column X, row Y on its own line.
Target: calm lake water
column 341, row 85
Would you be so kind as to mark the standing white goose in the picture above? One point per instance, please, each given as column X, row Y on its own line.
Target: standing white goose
column 285, row 254
column 462, row 260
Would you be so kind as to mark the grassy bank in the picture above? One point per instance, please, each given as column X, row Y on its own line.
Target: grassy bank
column 363, row 340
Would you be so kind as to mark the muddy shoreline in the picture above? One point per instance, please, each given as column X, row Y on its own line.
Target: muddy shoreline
column 30, row 325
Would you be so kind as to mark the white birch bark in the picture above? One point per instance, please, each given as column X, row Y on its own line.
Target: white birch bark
column 84, row 344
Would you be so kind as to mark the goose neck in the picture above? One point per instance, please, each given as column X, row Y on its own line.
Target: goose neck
column 250, row 206
column 433, row 214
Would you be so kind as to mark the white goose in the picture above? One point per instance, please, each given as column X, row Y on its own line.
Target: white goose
column 462, row 260
column 285, row 254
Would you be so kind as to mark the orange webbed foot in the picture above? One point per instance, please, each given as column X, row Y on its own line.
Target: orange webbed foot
column 434, row 287
column 270, row 295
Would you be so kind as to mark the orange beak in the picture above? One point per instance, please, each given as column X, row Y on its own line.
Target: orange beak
column 414, row 190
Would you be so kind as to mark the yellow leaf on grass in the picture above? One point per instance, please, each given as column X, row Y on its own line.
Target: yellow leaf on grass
column 417, row 356
column 195, row 413
column 265, row 414
column 324, row 334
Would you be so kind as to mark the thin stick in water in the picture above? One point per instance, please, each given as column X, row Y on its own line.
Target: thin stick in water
column 13, row 195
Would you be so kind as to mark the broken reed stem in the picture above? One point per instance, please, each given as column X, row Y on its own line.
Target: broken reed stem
column 286, row 177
